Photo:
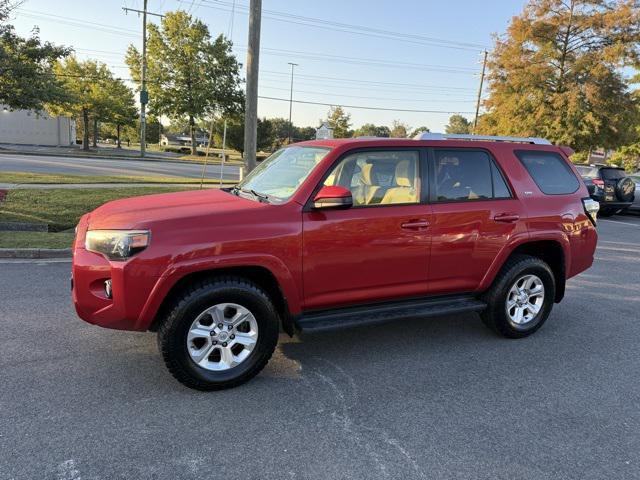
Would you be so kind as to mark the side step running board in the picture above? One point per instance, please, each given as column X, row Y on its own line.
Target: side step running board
column 383, row 312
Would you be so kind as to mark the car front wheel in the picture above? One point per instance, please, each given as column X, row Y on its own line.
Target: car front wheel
column 521, row 297
column 218, row 333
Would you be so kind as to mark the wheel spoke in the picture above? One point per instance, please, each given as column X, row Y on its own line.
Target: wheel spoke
column 246, row 339
column 226, row 358
column 200, row 356
column 533, row 308
column 199, row 332
column 239, row 318
column 517, row 317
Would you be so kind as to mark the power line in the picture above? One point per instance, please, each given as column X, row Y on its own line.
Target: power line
column 363, row 107
column 363, row 61
column 358, row 81
column 351, row 28
column 76, row 22
column 470, row 100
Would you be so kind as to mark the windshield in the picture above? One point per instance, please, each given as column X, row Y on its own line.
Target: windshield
column 280, row 175
column 587, row 171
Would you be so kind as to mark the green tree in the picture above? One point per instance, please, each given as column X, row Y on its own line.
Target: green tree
column 189, row 74
column 417, row 131
column 371, row 130
column 305, row 133
column 235, row 133
column 399, row 129
column 557, row 73
column 340, row 121
column 84, row 83
column 27, row 80
column 458, row 124
column 118, row 107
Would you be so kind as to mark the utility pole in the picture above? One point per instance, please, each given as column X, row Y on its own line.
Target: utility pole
column 251, row 104
column 293, row 65
column 144, row 95
column 484, row 68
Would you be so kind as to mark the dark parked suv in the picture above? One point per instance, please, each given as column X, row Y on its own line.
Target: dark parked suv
column 610, row 186
column 334, row 233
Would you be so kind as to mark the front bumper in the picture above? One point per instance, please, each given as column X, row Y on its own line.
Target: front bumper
column 131, row 285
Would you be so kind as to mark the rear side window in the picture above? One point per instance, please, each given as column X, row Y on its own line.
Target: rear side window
column 467, row 175
column 550, row 172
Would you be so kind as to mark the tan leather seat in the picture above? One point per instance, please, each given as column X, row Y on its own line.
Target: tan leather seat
column 367, row 193
column 405, row 191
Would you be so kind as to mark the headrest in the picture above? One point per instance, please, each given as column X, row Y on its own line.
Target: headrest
column 366, row 174
column 403, row 176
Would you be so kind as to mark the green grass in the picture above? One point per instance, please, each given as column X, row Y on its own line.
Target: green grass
column 48, row 178
column 62, row 208
column 35, row 240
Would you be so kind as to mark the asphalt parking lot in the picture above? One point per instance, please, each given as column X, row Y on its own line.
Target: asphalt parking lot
column 428, row 399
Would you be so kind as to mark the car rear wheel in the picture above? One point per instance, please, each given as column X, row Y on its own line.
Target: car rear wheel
column 521, row 297
column 218, row 333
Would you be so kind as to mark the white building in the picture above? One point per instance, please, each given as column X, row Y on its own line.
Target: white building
column 324, row 132
column 26, row 127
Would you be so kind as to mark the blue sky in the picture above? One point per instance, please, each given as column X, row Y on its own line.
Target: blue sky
column 373, row 69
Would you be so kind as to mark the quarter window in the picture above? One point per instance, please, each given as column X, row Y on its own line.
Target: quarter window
column 379, row 177
column 550, row 172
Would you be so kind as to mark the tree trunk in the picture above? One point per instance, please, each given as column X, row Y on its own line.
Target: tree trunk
column 119, row 145
column 85, row 129
column 95, row 132
column 192, row 131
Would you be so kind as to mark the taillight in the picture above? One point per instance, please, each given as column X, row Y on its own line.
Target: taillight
column 591, row 208
column 598, row 183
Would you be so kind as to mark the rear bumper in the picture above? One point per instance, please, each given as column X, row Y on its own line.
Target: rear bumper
column 131, row 286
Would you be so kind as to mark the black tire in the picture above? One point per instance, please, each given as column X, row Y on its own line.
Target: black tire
column 185, row 308
column 495, row 315
column 608, row 212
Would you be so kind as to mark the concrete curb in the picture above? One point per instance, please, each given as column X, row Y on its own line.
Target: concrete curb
column 34, row 253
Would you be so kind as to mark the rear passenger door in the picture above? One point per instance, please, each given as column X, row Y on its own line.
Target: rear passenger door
column 474, row 215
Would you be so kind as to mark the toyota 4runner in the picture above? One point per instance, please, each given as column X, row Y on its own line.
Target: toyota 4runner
column 334, row 233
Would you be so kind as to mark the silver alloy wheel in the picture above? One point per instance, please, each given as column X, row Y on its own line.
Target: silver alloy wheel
column 525, row 300
column 222, row 337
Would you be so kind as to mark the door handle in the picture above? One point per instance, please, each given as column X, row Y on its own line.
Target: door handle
column 507, row 217
column 415, row 224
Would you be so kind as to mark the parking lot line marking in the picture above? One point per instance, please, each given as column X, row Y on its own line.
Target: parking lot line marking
column 619, row 249
column 622, row 223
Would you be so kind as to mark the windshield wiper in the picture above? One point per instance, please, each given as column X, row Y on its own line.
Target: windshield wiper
column 260, row 196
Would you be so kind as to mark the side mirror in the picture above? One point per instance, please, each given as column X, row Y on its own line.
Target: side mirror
column 333, row 197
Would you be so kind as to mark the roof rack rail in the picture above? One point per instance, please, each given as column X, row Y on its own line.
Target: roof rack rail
column 481, row 138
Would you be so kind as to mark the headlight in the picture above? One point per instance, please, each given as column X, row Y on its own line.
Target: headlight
column 117, row 244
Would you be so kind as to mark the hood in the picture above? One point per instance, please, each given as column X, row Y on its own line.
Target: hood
column 143, row 211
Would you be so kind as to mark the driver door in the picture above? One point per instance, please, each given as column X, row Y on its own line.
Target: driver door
column 377, row 249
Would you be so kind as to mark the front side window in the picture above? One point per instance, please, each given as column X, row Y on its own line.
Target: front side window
column 550, row 172
column 280, row 175
column 383, row 177
column 463, row 175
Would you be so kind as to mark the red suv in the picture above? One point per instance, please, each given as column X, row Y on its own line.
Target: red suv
column 334, row 233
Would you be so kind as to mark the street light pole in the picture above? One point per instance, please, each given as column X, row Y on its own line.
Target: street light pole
column 293, row 65
column 251, row 103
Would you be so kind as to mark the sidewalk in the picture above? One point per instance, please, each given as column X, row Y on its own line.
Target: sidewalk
column 111, row 153
column 73, row 186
